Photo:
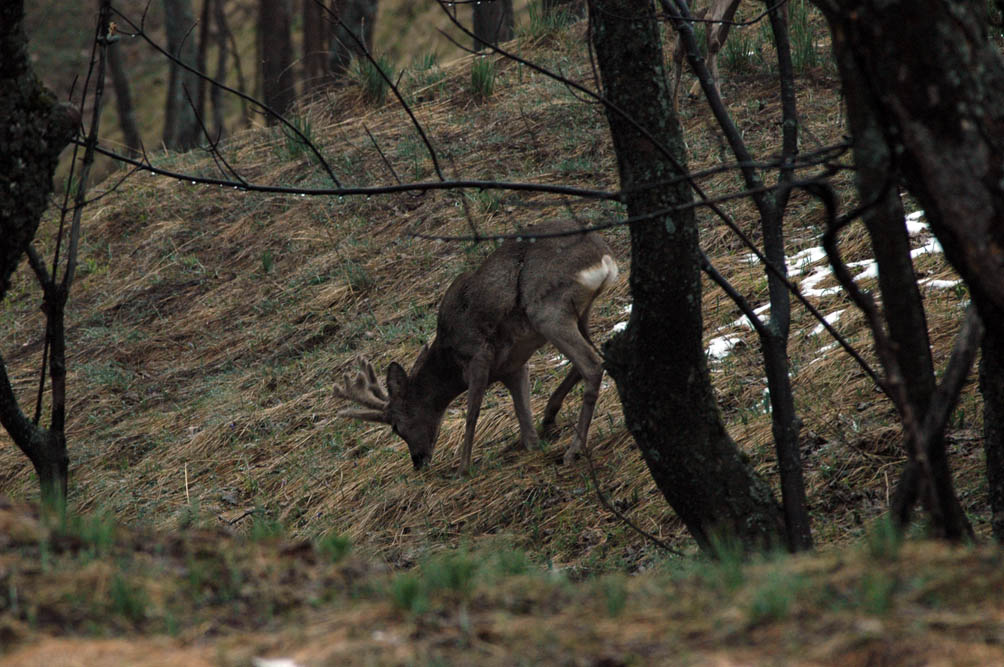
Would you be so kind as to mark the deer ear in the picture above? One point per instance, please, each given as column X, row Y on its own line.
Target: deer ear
column 397, row 379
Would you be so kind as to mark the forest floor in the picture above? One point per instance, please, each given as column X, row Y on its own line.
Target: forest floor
column 221, row 513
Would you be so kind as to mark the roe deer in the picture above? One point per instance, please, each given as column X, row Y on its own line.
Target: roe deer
column 718, row 18
column 491, row 320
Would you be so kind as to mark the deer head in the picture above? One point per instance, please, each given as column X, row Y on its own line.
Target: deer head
column 393, row 405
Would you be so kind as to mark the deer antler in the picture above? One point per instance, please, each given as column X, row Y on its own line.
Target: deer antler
column 365, row 390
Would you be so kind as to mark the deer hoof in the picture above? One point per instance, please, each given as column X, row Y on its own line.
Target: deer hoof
column 548, row 427
column 572, row 453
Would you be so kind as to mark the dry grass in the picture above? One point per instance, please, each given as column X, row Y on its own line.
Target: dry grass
column 209, row 324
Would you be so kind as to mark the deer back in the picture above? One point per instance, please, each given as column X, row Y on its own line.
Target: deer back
column 519, row 282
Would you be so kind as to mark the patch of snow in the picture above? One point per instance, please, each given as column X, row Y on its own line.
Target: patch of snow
column 274, row 662
column 831, row 319
column 940, row 284
column 799, row 263
column 745, row 321
column 620, row 326
column 914, row 224
column 932, row 246
column 871, row 269
column 809, row 288
column 821, row 352
column 721, row 346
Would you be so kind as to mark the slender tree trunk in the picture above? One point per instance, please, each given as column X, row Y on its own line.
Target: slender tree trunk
column 215, row 92
column 205, row 33
column 773, row 333
column 357, row 17
column 658, row 362
column 493, row 23
column 785, row 423
column 181, row 126
column 33, row 132
column 123, row 100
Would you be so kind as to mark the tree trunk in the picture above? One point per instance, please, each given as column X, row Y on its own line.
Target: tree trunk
column 33, row 131
column 773, row 333
column 493, row 23
column 658, row 362
column 357, row 17
column 181, row 126
column 573, row 7
column 315, row 49
column 278, row 84
column 123, row 100
column 992, row 388
column 215, row 92
column 205, row 30
column 940, row 111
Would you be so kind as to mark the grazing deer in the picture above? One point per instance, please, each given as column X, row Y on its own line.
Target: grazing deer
column 718, row 16
column 491, row 320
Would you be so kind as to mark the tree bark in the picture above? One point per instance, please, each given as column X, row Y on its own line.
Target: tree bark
column 315, row 49
column 658, row 361
column 574, row 7
column 939, row 111
column 493, row 23
column 278, row 83
column 181, row 126
column 992, row 388
column 357, row 17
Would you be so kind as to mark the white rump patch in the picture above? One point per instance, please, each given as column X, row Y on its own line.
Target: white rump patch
column 598, row 276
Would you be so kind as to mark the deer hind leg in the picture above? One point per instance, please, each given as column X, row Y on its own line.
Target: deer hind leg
column 518, row 385
column 566, row 335
column 572, row 379
column 558, row 397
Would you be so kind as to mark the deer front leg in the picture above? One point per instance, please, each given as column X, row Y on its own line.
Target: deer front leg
column 477, row 382
column 518, row 385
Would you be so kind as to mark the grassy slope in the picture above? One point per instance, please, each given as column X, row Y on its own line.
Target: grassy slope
column 209, row 324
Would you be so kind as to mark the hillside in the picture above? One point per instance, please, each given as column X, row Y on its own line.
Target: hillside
column 215, row 483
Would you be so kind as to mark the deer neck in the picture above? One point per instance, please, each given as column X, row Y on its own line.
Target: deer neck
column 437, row 380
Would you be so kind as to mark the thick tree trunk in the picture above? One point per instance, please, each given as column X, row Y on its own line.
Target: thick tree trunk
column 992, row 387
column 278, row 84
column 181, row 126
column 357, row 17
column 940, row 111
column 493, row 23
column 902, row 307
column 658, row 362
column 315, row 48
column 573, row 7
